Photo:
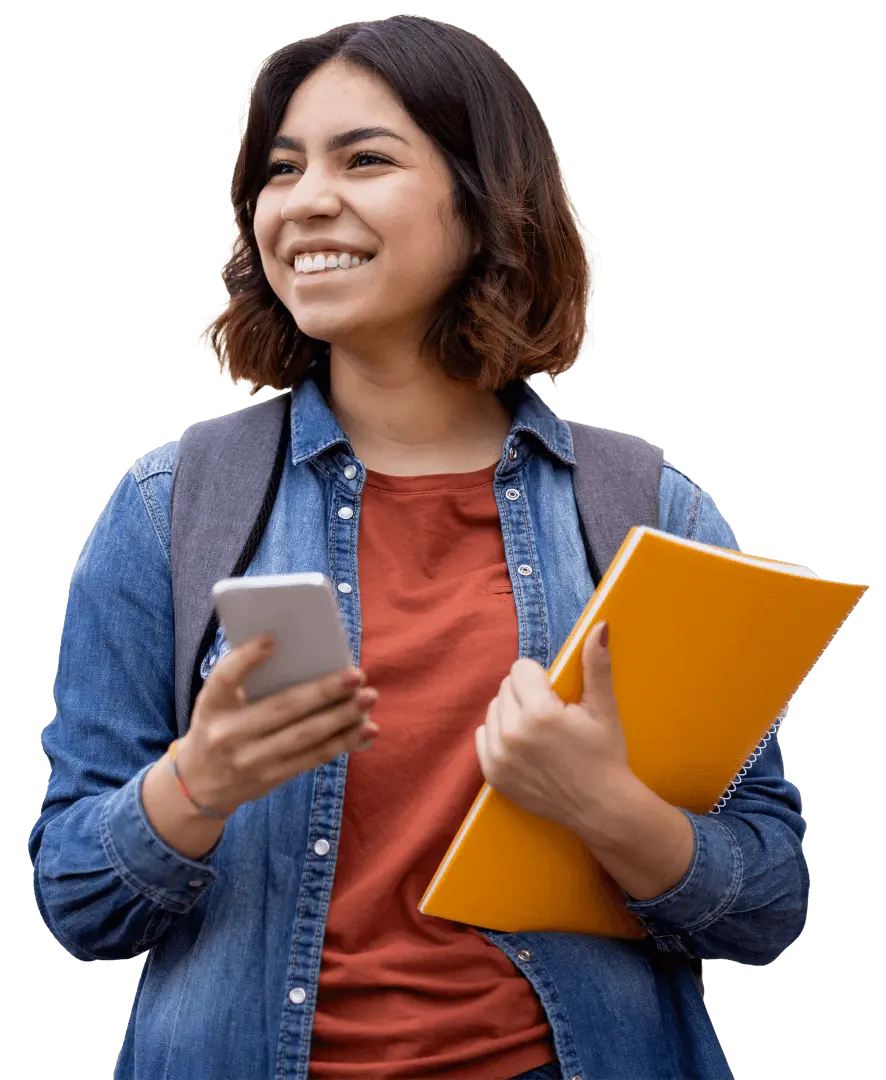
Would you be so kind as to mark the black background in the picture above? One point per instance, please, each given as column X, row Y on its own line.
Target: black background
column 722, row 347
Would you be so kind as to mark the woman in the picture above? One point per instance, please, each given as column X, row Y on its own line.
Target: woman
column 406, row 254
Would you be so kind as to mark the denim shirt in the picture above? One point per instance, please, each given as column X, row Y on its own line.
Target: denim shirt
column 234, row 939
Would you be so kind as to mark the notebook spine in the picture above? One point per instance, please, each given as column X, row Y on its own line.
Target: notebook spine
column 743, row 771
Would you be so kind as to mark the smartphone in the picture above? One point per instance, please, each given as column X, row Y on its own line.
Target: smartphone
column 302, row 613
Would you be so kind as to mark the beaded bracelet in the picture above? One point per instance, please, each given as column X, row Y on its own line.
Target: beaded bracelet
column 173, row 768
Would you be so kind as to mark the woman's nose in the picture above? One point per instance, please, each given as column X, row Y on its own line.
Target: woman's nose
column 314, row 194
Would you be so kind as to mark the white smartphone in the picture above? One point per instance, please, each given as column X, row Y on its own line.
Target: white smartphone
column 301, row 611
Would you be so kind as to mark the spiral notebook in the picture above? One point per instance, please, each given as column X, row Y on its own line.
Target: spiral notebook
column 708, row 646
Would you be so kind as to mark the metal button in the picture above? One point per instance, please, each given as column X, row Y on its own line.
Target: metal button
column 321, row 847
column 197, row 883
column 512, row 493
column 524, row 954
column 343, row 586
column 524, row 570
column 346, row 512
column 297, row 996
column 512, row 453
column 576, row 1077
column 350, row 472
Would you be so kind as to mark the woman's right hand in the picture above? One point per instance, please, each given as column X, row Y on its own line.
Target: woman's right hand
column 235, row 751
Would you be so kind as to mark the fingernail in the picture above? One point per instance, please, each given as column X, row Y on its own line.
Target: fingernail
column 367, row 696
column 369, row 726
column 353, row 677
column 604, row 636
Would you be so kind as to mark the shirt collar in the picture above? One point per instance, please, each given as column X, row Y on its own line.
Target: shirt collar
column 316, row 429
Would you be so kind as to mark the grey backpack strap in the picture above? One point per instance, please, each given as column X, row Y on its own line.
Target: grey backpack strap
column 615, row 479
column 224, row 483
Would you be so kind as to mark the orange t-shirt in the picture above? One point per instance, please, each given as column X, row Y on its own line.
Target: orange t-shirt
column 403, row 994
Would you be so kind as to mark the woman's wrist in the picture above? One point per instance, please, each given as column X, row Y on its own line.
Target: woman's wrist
column 174, row 818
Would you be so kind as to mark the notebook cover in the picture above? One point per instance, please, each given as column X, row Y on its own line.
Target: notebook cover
column 707, row 651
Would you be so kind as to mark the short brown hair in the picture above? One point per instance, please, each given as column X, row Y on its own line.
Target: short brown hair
column 521, row 306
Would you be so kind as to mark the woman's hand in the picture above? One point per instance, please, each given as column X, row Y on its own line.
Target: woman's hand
column 563, row 762
column 235, row 752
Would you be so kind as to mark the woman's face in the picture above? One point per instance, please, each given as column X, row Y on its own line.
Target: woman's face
column 385, row 197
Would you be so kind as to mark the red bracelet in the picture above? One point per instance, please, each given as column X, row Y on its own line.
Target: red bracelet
column 173, row 768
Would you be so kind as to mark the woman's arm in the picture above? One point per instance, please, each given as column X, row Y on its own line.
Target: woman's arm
column 106, row 884
column 745, row 893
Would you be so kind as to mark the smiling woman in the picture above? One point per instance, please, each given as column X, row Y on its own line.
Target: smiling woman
column 407, row 257
column 414, row 145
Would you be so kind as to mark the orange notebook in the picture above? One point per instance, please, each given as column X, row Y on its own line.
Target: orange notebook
column 708, row 646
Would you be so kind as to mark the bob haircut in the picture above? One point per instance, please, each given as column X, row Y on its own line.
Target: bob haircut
column 521, row 305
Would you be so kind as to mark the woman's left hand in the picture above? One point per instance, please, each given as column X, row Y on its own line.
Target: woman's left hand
column 563, row 762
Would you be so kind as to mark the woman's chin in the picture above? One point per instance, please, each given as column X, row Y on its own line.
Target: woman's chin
column 328, row 326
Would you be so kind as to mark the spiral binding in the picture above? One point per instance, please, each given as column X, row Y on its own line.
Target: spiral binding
column 742, row 772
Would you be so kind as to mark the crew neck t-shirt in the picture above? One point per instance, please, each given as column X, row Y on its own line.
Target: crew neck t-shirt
column 401, row 994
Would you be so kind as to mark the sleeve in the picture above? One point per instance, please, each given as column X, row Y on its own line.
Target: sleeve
column 745, row 894
column 106, row 884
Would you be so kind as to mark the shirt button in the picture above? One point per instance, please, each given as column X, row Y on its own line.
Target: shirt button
column 524, row 570
column 512, row 493
column 524, row 954
column 343, row 586
column 297, row 996
column 576, row 1077
column 346, row 512
column 197, row 883
column 350, row 472
column 321, row 847
column 512, row 453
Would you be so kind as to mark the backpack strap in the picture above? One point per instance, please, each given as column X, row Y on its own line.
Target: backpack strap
column 218, row 519
column 615, row 479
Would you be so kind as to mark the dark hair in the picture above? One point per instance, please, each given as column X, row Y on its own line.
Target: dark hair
column 521, row 306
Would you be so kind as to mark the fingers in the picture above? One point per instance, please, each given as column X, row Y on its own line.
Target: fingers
column 223, row 691
column 219, row 691
column 332, row 727
column 298, row 703
column 344, row 742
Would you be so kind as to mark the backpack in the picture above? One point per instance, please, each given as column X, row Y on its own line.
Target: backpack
column 218, row 515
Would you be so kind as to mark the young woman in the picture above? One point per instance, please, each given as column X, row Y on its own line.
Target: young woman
column 407, row 258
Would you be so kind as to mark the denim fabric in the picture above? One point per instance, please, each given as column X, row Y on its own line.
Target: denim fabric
column 543, row 1072
column 234, row 939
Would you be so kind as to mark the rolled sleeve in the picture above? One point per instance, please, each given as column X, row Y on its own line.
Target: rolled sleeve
column 707, row 889
column 143, row 859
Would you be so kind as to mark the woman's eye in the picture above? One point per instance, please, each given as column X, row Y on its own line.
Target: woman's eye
column 277, row 167
column 362, row 159
column 374, row 159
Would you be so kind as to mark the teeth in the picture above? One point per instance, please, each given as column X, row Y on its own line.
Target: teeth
column 308, row 264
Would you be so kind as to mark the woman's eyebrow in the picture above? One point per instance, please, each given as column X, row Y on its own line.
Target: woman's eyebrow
column 340, row 141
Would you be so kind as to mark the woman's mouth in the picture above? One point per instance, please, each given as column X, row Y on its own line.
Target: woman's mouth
column 321, row 262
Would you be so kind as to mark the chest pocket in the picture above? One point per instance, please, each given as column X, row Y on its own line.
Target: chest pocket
column 499, row 582
column 219, row 648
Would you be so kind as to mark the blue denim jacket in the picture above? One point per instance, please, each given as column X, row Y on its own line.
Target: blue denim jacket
column 234, row 939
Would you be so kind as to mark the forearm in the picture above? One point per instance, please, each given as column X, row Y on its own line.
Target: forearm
column 645, row 843
column 177, row 821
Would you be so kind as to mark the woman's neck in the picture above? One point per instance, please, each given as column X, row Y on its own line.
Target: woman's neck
column 409, row 418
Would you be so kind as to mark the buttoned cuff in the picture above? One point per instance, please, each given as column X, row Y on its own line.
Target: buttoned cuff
column 706, row 890
column 143, row 859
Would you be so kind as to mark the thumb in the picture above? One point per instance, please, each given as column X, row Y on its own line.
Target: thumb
column 597, row 668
